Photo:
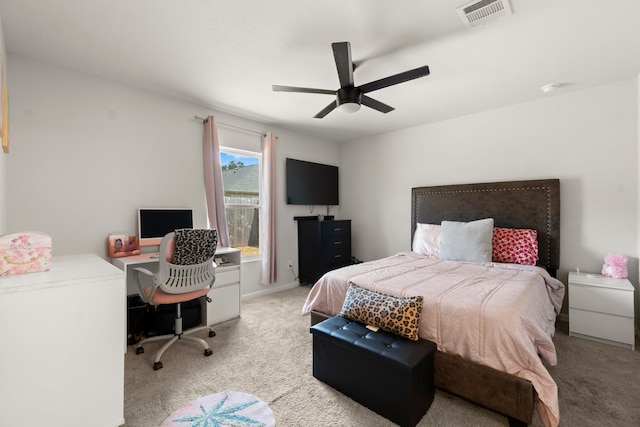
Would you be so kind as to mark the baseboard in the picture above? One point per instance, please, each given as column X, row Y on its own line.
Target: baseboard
column 271, row 289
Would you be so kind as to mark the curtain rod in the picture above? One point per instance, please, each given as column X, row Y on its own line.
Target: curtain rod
column 232, row 126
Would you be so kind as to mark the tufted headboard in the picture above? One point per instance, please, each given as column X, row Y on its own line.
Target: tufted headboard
column 531, row 204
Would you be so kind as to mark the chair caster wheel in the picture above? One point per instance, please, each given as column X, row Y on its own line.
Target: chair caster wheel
column 208, row 352
column 139, row 350
column 157, row 365
column 212, row 333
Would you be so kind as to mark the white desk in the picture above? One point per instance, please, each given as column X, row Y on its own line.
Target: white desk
column 63, row 346
column 225, row 294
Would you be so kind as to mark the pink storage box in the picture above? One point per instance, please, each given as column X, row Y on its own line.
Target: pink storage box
column 26, row 252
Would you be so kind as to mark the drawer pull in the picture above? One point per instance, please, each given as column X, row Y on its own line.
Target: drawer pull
column 337, row 229
column 337, row 243
column 337, row 256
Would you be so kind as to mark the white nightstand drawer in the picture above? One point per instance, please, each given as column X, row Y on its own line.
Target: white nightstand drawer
column 604, row 326
column 603, row 300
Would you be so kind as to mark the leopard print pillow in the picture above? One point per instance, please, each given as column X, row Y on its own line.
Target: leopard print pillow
column 399, row 316
column 194, row 246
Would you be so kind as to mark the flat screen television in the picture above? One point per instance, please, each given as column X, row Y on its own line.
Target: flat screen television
column 311, row 183
column 155, row 223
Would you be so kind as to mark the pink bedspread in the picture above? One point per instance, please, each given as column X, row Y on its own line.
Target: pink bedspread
column 499, row 315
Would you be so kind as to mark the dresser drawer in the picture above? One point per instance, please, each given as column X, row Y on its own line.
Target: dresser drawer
column 336, row 229
column 341, row 256
column 602, row 300
column 336, row 243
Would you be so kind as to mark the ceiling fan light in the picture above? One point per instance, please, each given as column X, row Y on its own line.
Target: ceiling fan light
column 349, row 99
column 349, row 107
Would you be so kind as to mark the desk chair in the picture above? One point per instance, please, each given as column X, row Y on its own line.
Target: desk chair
column 186, row 271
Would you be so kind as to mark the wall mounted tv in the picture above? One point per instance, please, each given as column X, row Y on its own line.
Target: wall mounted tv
column 154, row 223
column 311, row 183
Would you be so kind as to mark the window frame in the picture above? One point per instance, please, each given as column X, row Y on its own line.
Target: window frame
column 256, row 154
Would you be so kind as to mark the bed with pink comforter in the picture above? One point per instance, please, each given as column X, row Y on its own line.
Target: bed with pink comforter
column 499, row 315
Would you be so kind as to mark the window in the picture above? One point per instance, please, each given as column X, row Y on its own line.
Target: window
column 241, row 179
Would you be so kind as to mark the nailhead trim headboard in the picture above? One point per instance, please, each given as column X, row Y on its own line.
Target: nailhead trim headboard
column 533, row 204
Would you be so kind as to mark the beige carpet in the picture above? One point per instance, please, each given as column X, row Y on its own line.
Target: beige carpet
column 267, row 352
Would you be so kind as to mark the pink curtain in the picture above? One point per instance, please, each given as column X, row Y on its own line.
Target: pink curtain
column 268, row 193
column 213, row 181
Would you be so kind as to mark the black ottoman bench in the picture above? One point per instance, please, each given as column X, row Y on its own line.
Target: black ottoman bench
column 388, row 374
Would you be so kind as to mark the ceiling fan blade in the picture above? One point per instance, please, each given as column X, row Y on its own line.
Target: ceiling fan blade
column 329, row 108
column 376, row 105
column 395, row 79
column 342, row 55
column 278, row 88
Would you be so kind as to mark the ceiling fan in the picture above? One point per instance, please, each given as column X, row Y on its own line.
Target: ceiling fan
column 349, row 97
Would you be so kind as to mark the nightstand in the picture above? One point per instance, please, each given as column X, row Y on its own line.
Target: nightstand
column 601, row 309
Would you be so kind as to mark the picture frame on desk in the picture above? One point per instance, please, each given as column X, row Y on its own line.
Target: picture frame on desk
column 122, row 244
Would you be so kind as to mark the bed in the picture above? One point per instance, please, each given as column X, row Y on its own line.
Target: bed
column 472, row 371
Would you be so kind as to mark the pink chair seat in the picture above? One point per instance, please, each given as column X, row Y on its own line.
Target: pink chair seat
column 161, row 297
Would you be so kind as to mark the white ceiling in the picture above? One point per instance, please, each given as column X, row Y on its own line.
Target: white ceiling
column 226, row 54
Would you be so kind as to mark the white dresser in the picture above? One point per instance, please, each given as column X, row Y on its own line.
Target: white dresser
column 63, row 345
column 601, row 309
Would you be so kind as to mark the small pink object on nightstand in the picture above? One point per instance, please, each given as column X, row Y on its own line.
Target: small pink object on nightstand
column 615, row 265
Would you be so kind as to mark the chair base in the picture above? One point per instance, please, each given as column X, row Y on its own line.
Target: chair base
column 177, row 335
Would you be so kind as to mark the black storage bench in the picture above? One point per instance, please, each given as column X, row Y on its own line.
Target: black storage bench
column 388, row 374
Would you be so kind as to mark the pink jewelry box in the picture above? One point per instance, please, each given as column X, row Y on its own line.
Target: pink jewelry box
column 26, row 252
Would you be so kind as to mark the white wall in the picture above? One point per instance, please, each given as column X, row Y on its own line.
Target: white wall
column 587, row 139
column 86, row 153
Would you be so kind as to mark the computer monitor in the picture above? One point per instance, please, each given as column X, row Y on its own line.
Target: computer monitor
column 155, row 223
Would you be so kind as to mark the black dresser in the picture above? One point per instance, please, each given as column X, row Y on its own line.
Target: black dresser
column 322, row 246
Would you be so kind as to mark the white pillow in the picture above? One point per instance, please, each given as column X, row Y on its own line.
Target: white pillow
column 426, row 239
column 466, row 241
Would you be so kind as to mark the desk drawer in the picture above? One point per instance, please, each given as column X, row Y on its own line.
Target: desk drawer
column 227, row 277
column 225, row 304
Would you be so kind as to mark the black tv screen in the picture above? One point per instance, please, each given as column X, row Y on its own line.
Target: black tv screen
column 311, row 183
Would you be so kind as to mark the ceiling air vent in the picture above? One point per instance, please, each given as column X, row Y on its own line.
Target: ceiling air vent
column 480, row 12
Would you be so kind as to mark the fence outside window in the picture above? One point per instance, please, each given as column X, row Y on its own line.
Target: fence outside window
column 242, row 206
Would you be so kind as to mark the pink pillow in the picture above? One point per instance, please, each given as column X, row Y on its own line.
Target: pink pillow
column 515, row 246
column 426, row 240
